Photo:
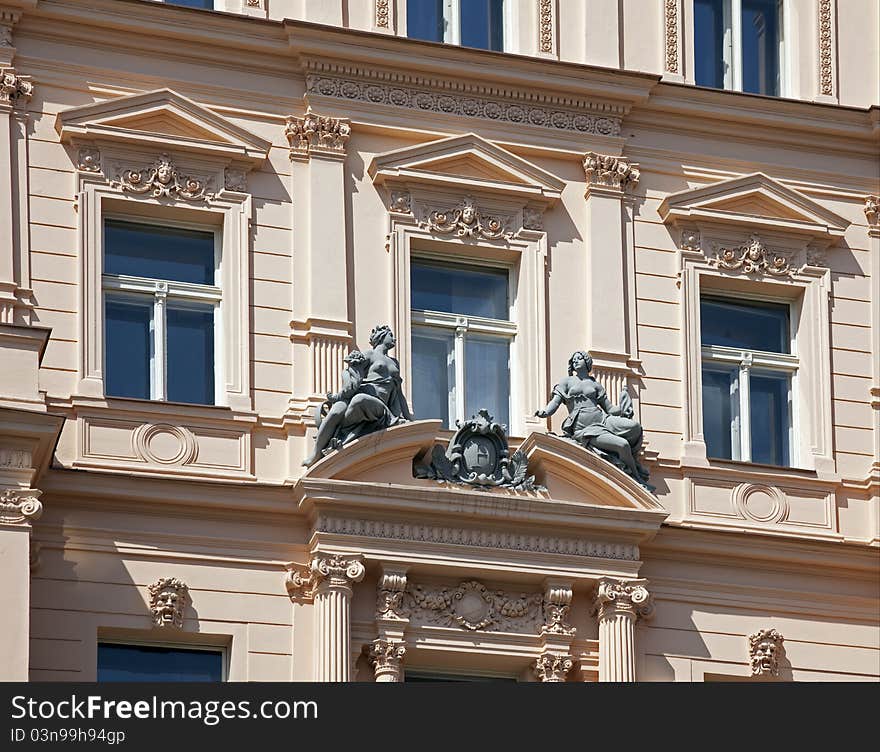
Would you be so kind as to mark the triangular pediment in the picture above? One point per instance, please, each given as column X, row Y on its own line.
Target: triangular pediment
column 466, row 161
column 161, row 118
column 754, row 200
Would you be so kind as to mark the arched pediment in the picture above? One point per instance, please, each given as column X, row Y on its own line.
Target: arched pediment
column 757, row 201
column 163, row 119
column 468, row 161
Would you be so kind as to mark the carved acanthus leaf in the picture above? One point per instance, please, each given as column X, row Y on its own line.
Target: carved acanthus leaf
column 390, row 592
column 168, row 599
column 626, row 596
column 557, row 604
column 314, row 133
column 613, row 172
column 13, row 87
column 20, row 505
column 553, row 668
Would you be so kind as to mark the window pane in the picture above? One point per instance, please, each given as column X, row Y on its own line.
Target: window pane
column 464, row 290
column 482, row 24
column 127, row 349
column 155, row 663
column 433, row 374
column 721, row 412
column 768, row 393
column 760, row 41
column 753, row 326
column 424, row 20
column 190, row 361
column 158, row 252
column 709, row 43
column 192, row 3
column 487, row 373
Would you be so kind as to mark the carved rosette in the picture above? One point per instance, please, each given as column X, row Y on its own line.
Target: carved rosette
column 610, row 172
column 317, row 134
column 872, row 210
column 168, row 598
column 671, row 13
column 753, row 258
column 628, row 597
column 400, row 203
column 88, row 159
column 382, row 14
column 389, row 600
column 557, row 604
column 235, row 179
column 826, row 48
column 553, row 668
column 387, row 658
column 162, row 179
column 545, row 26
column 765, row 645
column 20, row 506
column 14, row 88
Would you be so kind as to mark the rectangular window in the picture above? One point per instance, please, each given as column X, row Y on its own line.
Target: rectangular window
column 461, row 335
column 145, row 663
column 748, row 378
column 737, row 45
column 161, row 310
column 470, row 23
column 192, row 3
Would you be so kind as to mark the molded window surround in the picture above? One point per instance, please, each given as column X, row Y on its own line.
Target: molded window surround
column 226, row 214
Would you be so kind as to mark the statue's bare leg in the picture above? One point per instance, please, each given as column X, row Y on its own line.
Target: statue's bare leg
column 326, row 431
column 619, row 446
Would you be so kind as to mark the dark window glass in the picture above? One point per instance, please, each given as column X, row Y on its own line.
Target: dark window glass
column 464, row 290
column 482, row 24
column 127, row 345
column 425, row 676
column 190, row 364
column 709, row 43
column 753, row 326
column 134, row 663
column 768, row 393
column 192, row 3
column 488, row 377
column 158, row 252
column 719, row 409
column 432, row 373
column 760, row 47
column 424, row 20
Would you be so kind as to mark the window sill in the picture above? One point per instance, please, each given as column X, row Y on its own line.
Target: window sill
column 163, row 409
column 723, row 464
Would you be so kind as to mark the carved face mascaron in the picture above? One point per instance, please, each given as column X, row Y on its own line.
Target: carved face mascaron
column 166, row 605
column 764, row 660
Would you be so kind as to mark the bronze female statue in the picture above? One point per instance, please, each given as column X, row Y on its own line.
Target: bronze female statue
column 594, row 422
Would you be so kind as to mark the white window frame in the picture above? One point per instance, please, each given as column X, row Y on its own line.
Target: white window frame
column 463, row 326
column 746, row 360
column 222, row 649
column 732, row 45
column 124, row 287
column 452, row 23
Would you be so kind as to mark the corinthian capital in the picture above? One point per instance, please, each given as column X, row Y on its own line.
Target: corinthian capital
column 628, row 597
column 611, row 172
column 20, row 506
column 14, row 88
column 553, row 668
column 387, row 657
column 317, row 134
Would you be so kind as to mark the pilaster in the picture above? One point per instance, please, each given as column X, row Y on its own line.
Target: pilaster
column 619, row 604
column 388, row 650
column 557, row 635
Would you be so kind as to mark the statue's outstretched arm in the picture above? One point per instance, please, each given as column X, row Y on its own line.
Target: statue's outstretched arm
column 551, row 407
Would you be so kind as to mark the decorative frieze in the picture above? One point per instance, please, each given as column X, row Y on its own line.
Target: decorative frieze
column 168, row 599
column 466, row 220
column 14, row 88
column 437, row 99
column 162, row 179
column 609, row 171
column 557, row 604
column 670, row 9
column 765, row 645
column 553, row 668
column 472, row 606
column 387, row 659
column 462, row 536
column 826, row 48
column 317, row 134
column 15, row 459
column 383, row 16
column 20, row 505
column 752, row 258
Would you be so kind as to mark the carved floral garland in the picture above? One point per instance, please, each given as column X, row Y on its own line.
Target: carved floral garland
column 162, row 179
column 753, row 258
column 467, row 221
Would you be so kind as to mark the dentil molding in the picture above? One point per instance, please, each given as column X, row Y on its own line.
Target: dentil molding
column 168, row 599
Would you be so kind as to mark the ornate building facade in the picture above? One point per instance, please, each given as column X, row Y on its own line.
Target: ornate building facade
column 286, row 286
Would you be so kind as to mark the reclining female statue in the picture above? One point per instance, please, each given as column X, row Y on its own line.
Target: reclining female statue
column 371, row 397
column 594, row 422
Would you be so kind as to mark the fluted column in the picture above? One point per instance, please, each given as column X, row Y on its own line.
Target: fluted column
column 619, row 604
column 328, row 580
